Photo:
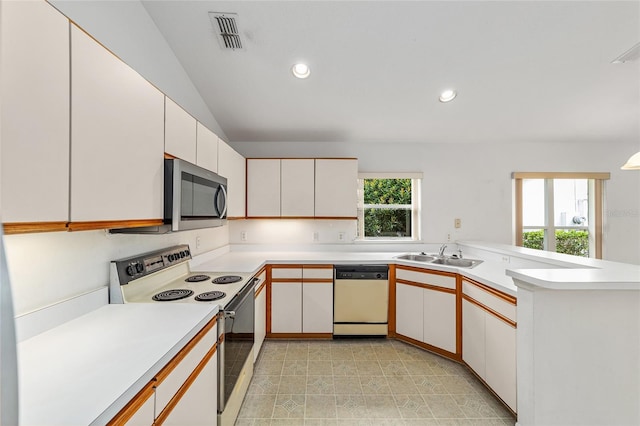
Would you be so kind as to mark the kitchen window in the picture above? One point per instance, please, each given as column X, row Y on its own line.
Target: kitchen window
column 389, row 206
column 560, row 212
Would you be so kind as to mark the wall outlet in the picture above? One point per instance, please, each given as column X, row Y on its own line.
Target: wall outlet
column 243, row 236
column 448, row 238
column 198, row 242
column 457, row 223
column 316, row 236
column 506, row 259
column 341, row 236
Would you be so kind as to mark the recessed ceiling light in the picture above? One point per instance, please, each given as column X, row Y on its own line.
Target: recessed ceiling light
column 301, row 70
column 447, row 95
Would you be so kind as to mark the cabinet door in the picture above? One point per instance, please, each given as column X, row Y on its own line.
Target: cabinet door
column 317, row 307
column 117, row 133
column 263, row 187
column 260, row 321
column 34, row 76
column 233, row 166
column 473, row 337
column 440, row 319
column 336, row 188
column 179, row 132
column 206, row 148
column 286, row 307
column 409, row 311
column 198, row 405
column 297, row 187
column 501, row 359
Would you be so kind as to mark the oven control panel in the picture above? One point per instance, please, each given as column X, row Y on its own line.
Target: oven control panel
column 132, row 268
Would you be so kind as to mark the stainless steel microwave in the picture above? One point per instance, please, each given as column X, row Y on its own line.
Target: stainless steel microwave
column 194, row 197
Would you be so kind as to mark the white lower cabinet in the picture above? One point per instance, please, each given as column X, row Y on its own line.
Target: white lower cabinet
column 317, row 307
column 440, row 319
column 286, row 307
column 198, row 405
column 500, row 367
column 302, row 299
column 473, row 337
column 409, row 311
column 426, row 308
column 489, row 339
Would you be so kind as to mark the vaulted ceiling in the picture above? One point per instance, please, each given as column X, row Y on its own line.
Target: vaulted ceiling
column 523, row 70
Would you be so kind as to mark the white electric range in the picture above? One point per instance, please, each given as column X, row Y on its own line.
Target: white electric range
column 164, row 276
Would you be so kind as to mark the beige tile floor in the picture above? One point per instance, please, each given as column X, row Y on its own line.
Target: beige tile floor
column 364, row 382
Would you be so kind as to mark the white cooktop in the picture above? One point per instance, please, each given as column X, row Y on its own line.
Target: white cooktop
column 142, row 290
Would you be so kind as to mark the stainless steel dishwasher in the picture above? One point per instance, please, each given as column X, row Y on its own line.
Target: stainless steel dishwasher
column 360, row 300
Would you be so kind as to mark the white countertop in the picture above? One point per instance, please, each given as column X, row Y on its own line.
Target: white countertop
column 489, row 272
column 85, row 371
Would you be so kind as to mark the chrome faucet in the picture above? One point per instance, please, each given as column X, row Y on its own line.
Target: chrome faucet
column 441, row 252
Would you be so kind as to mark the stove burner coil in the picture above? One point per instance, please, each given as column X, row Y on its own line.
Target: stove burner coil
column 227, row 279
column 174, row 294
column 210, row 295
column 197, row 278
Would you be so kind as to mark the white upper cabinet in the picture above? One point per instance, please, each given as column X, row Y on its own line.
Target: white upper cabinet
column 297, row 187
column 34, row 73
column 263, row 187
column 206, row 148
column 233, row 166
column 117, row 134
column 179, row 132
column 336, row 188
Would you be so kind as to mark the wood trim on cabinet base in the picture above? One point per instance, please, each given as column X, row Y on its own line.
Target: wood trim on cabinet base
column 12, row 228
column 438, row 351
column 299, row 335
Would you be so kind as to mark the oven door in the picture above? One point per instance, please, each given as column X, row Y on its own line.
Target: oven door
column 237, row 342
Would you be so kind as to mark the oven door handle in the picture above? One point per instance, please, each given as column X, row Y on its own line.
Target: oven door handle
column 229, row 314
column 234, row 304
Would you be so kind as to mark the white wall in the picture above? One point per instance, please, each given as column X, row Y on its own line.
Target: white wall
column 473, row 182
column 125, row 28
column 47, row 268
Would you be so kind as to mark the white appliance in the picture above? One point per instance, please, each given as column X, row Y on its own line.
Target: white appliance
column 164, row 276
column 361, row 300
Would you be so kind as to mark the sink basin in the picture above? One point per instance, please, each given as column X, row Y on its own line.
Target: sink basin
column 460, row 263
column 416, row 257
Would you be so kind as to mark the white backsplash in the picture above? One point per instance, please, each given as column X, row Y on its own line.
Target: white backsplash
column 292, row 231
column 47, row 268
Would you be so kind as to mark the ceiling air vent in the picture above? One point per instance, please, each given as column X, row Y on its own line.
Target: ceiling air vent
column 630, row 55
column 226, row 26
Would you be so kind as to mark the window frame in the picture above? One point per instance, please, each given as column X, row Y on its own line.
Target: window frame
column 416, row 205
column 596, row 206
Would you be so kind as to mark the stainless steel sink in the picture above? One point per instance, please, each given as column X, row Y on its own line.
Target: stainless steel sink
column 460, row 263
column 449, row 261
column 416, row 257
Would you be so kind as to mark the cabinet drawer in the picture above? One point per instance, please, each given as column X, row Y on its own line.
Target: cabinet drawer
column 279, row 273
column 320, row 272
column 491, row 301
column 178, row 374
column 437, row 280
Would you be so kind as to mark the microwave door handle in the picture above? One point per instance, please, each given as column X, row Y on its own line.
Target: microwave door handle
column 222, row 190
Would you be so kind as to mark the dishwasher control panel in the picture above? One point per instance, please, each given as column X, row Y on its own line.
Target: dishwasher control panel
column 362, row 272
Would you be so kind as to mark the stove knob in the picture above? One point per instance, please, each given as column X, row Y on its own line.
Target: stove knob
column 182, row 254
column 171, row 258
column 131, row 270
column 139, row 268
column 186, row 252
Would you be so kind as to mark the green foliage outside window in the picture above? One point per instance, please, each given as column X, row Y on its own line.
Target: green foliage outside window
column 394, row 222
column 568, row 241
